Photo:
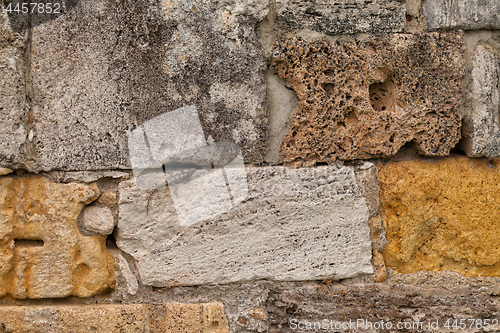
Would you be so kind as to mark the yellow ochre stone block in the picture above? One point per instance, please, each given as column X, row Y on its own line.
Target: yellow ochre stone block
column 442, row 215
column 42, row 252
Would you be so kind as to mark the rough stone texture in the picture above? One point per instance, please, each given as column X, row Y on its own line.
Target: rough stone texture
column 393, row 303
column 81, row 115
column 196, row 318
column 462, row 14
column 137, row 318
column 366, row 177
column 13, row 100
column 442, row 215
column 481, row 129
column 75, row 319
column 282, row 103
column 130, row 280
column 360, row 100
column 295, row 224
column 242, row 302
column 413, row 7
column 5, row 171
column 342, row 17
column 108, row 198
column 100, row 71
column 42, row 253
column 98, row 219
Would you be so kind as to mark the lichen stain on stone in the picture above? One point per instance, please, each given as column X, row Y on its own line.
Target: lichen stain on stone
column 442, row 215
column 42, row 252
column 360, row 100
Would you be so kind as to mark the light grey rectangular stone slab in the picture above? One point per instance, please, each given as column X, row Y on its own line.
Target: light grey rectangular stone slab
column 295, row 224
column 80, row 112
column 13, row 102
column 462, row 14
column 481, row 130
column 100, row 72
column 342, row 16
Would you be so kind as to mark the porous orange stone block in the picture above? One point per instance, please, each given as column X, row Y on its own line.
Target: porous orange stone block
column 42, row 252
column 366, row 99
column 442, row 215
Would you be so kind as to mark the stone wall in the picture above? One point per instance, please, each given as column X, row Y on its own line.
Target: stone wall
column 248, row 165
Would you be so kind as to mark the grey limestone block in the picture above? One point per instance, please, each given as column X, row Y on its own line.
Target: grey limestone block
column 13, row 94
column 293, row 225
column 462, row 14
column 342, row 17
column 103, row 68
column 481, row 130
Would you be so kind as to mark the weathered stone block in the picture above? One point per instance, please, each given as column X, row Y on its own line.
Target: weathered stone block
column 42, row 252
column 137, row 318
column 98, row 220
column 442, row 215
column 80, row 113
column 462, row 14
column 108, row 198
column 361, row 100
column 13, row 101
column 295, row 224
column 76, row 319
column 481, row 129
column 342, row 17
column 100, row 71
column 196, row 318
column 376, row 305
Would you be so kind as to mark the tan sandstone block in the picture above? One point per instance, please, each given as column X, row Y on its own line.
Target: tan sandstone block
column 140, row 318
column 42, row 252
column 75, row 319
column 194, row 318
column 365, row 99
column 442, row 215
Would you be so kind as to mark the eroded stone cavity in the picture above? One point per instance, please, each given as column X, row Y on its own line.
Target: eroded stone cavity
column 442, row 215
column 295, row 224
column 361, row 100
column 42, row 252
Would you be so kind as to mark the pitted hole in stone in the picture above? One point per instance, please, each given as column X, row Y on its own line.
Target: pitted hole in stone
column 350, row 117
column 28, row 242
column 382, row 96
column 330, row 73
column 214, row 325
column 328, row 87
